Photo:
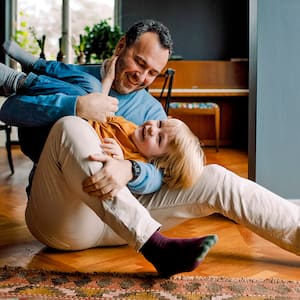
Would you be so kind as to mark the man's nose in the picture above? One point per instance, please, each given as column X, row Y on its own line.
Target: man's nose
column 140, row 78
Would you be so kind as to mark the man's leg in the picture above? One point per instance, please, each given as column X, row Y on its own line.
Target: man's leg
column 59, row 70
column 13, row 81
column 221, row 191
column 37, row 85
column 10, row 80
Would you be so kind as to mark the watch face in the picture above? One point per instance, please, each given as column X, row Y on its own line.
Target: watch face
column 136, row 169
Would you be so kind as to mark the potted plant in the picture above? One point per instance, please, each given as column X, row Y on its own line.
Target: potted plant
column 40, row 41
column 99, row 41
column 79, row 49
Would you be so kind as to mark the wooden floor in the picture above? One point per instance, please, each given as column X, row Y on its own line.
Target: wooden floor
column 238, row 252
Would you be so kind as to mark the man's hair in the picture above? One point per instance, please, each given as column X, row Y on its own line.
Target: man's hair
column 148, row 25
column 182, row 166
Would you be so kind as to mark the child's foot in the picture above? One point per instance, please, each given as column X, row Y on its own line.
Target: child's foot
column 13, row 50
column 10, row 80
column 172, row 256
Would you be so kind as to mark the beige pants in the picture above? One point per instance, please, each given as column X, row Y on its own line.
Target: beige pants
column 60, row 215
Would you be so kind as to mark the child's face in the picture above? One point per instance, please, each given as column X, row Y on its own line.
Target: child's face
column 153, row 138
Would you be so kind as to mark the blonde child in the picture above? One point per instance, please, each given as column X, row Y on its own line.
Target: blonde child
column 169, row 144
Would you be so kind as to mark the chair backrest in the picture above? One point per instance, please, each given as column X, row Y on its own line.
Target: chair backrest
column 168, row 76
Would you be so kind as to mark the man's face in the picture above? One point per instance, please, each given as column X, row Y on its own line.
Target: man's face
column 138, row 66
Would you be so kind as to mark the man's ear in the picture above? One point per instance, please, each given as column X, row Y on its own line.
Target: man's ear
column 120, row 46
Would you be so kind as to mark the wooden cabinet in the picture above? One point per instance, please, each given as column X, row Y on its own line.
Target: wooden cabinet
column 222, row 82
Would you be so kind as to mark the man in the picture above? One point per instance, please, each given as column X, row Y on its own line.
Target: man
column 59, row 213
column 143, row 53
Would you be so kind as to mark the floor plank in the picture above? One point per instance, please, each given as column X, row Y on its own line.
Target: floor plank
column 239, row 252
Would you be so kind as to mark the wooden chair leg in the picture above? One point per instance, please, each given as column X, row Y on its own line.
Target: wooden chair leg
column 217, row 126
column 8, row 149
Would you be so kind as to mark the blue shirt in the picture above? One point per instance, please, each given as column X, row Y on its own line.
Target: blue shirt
column 34, row 115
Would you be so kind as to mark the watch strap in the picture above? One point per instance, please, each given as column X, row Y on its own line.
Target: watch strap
column 135, row 169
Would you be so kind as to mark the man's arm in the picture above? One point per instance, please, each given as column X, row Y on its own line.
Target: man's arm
column 116, row 174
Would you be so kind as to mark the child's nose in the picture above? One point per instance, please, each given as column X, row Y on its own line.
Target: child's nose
column 152, row 130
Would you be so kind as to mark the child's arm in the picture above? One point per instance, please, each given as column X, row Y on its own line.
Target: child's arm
column 109, row 76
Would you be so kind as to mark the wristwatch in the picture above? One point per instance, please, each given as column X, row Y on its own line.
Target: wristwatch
column 135, row 169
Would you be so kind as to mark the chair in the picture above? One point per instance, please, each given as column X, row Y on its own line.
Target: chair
column 8, row 143
column 168, row 82
column 189, row 108
column 199, row 108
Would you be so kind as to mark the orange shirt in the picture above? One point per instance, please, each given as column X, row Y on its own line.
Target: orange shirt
column 119, row 129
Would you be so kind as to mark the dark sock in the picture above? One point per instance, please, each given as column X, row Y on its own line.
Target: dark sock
column 171, row 256
column 14, row 51
column 10, row 80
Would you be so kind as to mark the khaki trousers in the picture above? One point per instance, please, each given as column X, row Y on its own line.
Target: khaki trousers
column 61, row 215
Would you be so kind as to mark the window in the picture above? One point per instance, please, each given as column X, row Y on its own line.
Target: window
column 43, row 17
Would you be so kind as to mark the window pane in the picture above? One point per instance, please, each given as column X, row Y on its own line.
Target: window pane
column 88, row 13
column 44, row 17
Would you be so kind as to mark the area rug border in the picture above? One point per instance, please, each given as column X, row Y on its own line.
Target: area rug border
column 18, row 281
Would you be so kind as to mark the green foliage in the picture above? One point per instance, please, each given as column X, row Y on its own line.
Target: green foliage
column 40, row 41
column 22, row 36
column 80, row 48
column 99, row 41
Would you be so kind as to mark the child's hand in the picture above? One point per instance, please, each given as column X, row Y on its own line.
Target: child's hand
column 111, row 67
column 109, row 75
column 112, row 148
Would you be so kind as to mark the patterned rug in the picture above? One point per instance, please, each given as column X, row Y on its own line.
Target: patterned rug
column 21, row 284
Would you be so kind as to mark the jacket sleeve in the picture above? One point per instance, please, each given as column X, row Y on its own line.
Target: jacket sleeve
column 41, row 110
column 149, row 181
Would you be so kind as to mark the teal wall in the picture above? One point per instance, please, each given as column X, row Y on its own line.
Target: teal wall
column 278, row 96
column 201, row 29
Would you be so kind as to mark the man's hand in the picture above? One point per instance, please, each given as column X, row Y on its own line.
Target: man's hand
column 106, row 183
column 96, row 107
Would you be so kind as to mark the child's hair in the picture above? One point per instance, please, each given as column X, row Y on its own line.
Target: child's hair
column 184, row 162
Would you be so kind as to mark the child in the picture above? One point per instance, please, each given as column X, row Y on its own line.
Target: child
column 168, row 144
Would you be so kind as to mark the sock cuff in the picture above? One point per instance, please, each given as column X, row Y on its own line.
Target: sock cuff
column 18, row 81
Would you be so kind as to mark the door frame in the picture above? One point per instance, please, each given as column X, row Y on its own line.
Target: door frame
column 252, row 89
